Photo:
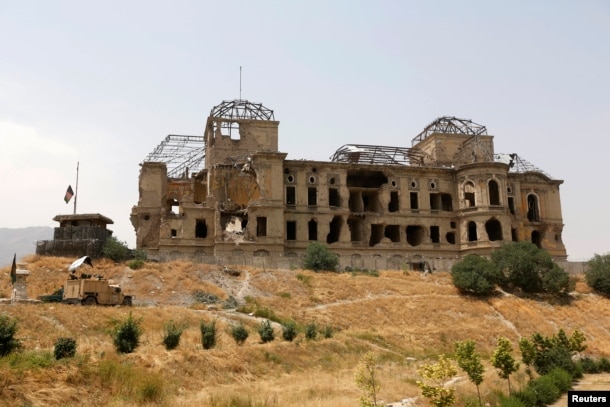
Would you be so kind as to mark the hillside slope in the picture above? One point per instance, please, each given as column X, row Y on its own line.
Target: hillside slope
column 405, row 318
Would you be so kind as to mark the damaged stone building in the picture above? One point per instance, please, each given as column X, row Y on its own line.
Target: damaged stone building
column 231, row 197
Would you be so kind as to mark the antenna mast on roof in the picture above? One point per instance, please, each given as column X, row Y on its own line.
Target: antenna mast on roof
column 240, row 83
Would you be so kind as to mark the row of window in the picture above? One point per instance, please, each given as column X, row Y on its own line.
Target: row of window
column 367, row 201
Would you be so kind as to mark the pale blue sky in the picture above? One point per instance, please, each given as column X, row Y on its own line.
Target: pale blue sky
column 105, row 82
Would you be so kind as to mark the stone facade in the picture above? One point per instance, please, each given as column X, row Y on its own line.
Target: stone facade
column 449, row 195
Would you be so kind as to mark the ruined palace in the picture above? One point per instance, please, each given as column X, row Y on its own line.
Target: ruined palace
column 229, row 196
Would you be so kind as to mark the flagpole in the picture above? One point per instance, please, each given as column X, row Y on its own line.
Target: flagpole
column 76, row 192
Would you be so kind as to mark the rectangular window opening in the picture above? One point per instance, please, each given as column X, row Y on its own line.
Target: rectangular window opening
column 414, row 200
column 435, row 234
column 312, row 196
column 291, row 196
column 333, row 197
column 394, row 204
column 291, row 230
column 261, row 226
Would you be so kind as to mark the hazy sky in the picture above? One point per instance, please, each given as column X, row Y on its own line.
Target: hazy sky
column 102, row 83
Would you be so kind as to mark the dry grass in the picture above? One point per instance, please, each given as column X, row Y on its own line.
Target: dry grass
column 404, row 318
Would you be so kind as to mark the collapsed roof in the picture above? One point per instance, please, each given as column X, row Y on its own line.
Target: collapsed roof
column 185, row 154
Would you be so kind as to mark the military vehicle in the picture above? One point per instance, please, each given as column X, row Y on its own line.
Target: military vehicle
column 92, row 289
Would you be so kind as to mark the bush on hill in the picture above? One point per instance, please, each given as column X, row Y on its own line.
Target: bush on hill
column 597, row 275
column 319, row 257
column 474, row 275
column 523, row 265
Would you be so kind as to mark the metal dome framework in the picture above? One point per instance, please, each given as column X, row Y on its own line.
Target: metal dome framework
column 242, row 109
column 450, row 125
column 181, row 154
column 370, row 154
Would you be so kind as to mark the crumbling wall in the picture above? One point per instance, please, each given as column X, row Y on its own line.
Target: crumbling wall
column 227, row 140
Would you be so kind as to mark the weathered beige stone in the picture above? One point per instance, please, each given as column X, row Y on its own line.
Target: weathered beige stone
column 249, row 200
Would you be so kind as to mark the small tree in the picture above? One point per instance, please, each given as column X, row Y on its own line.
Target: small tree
column 597, row 275
column 311, row 331
column 367, row 380
column 64, row 348
column 546, row 353
column 208, row 334
column 126, row 336
column 265, row 331
column 171, row 335
column 239, row 334
column 115, row 249
column 289, row 331
column 528, row 355
column 438, row 373
column 8, row 329
column 524, row 265
column 474, row 275
column 319, row 257
column 503, row 360
column 470, row 362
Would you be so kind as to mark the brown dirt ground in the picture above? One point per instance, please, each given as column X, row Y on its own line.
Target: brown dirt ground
column 405, row 318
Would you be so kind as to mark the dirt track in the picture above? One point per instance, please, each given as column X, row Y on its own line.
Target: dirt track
column 588, row 382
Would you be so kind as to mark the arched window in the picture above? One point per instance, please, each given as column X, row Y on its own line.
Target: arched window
column 533, row 209
column 537, row 239
column 469, row 195
column 472, row 232
column 493, row 229
column 494, row 192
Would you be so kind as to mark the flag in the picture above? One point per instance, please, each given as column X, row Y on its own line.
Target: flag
column 14, row 269
column 69, row 194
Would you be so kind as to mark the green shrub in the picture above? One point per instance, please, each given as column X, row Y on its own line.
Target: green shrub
column 319, row 257
column 135, row 264
column 526, row 396
column 511, row 401
column 239, row 333
column 305, row 279
column 150, row 389
column 546, row 353
column 126, row 336
column 265, row 331
column 208, row 334
column 589, row 365
column 289, row 331
column 524, row 265
column 139, row 254
column 205, row 298
column 474, row 275
column 311, row 331
column 604, row 365
column 64, row 348
column 597, row 275
column 328, row 332
column 545, row 390
column 229, row 303
column 8, row 329
column 115, row 249
column 172, row 332
column 561, row 379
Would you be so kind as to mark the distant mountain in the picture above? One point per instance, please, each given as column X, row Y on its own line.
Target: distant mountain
column 21, row 241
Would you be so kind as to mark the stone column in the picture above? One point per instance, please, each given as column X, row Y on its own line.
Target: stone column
column 20, row 286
